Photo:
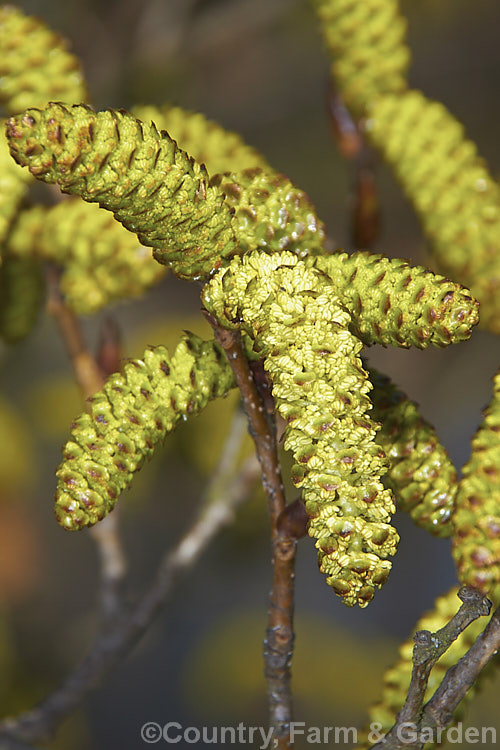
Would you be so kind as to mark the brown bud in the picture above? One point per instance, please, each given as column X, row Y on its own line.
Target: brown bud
column 292, row 521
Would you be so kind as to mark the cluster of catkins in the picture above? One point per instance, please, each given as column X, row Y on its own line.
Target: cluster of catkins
column 458, row 203
column 211, row 209
column 308, row 324
column 217, row 212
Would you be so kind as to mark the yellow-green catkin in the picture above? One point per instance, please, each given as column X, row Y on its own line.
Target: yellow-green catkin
column 102, row 262
column 21, row 294
column 421, row 474
column 220, row 150
column 455, row 197
column 397, row 678
column 159, row 192
column 153, row 187
column 394, row 303
column 271, row 213
column 127, row 419
column 35, row 64
column 367, row 43
column 298, row 324
column 476, row 541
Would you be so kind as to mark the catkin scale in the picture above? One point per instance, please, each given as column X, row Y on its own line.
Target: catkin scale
column 220, row 150
column 127, row 418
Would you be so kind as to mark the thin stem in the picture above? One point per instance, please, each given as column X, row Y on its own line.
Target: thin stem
column 258, row 424
column 438, row 712
column 365, row 215
column 344, row 129
column 89, row 374
column 429, row 647
column 111, row 644
column 106, row 535
column 365, row 219
column 278, row 644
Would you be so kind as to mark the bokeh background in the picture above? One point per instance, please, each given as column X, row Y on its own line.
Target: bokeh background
column 258, row 67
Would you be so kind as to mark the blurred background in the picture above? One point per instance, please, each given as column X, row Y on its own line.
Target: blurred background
column 257, row 67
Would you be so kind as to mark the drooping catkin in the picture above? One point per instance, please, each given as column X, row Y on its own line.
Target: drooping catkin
column 421, row 474
column 392, row 302
column 127, row 419
column 454, row 195
column 159, row 192
column 299, row 326
column 101, row 262
column 476, row 540
column 35, row 64
column 367, row 44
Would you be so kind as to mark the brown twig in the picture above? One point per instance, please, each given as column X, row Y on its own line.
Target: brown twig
column 278, row 644
column 113, row 568
column 365, row 218
column 344, row 129
column 109, row 349
column 90, row 373
column 87, row 373
column 365, row 213
column 429, row 647
column 438, row 712
column 111, row 644
column 258, row 424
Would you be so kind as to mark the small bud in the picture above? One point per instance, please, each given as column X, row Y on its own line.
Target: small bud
column 292, row 521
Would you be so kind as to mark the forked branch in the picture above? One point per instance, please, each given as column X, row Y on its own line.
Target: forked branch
column 429, row 647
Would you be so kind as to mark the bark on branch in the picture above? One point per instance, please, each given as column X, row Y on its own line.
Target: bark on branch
column 278, row 644
column 429, row 647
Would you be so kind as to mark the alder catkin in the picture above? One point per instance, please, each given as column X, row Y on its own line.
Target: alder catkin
column 101, row 262
column 367, row 43
column 194, row 224
column 421, row 474
column 394, row 303
column 476, row 540
column 35, row 64
column 299, row 326
column 127, row 418
column 454, row 195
